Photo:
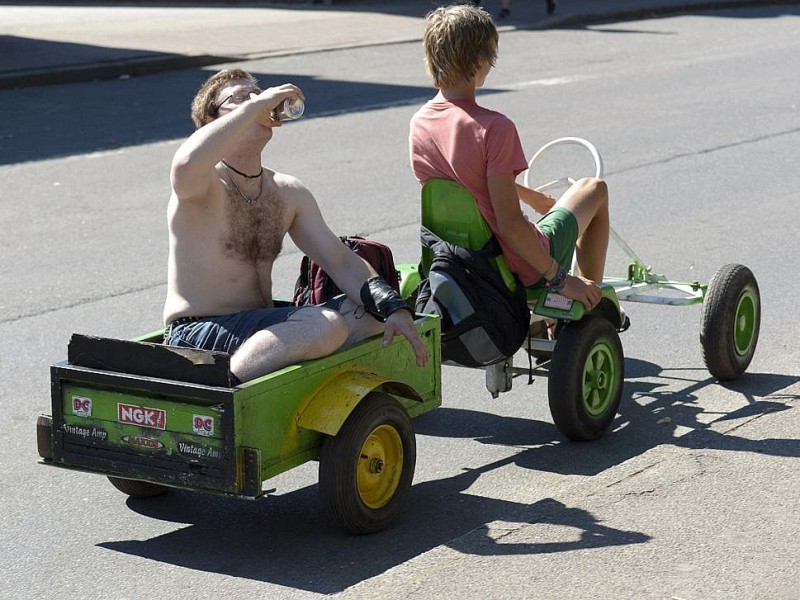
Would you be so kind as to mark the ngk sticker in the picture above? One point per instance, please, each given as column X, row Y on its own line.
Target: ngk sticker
column 142, row 416
column 81, row 406
column 203, row 425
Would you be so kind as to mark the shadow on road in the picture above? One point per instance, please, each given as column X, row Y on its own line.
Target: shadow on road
column 648, row 417
column 81, row 118
column 43, row 123
column 286, row 541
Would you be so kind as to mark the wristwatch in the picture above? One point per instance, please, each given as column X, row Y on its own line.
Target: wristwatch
column 557, row 283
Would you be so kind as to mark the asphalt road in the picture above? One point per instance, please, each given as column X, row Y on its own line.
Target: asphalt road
column 693, row 494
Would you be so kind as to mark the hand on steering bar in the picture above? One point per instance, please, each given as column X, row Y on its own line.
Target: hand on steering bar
column 584, row 290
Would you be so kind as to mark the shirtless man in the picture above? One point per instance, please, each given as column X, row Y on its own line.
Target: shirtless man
column 227, row 219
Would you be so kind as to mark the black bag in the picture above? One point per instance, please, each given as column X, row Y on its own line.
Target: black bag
column 483, row 322
column 314, row 286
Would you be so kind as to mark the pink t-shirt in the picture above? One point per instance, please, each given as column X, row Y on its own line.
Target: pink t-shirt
column 464, row 142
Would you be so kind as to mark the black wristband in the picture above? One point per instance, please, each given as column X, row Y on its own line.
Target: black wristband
column 558, row 282
column 380, row 300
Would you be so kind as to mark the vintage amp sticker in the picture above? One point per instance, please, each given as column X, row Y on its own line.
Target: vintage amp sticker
column 199, row 451
column 143, row 416
column 81, row 406
column 203, row 425
column 87, row 433
column 142, row 442
column 557, row 301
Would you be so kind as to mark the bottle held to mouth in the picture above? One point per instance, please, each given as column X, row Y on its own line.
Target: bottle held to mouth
column 291, row 109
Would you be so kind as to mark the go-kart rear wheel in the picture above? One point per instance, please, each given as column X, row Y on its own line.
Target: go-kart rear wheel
column 586, row 376
column 365, row 470
column 731, row 321
column 138, row 489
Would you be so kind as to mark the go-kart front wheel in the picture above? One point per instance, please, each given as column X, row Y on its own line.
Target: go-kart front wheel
column 138, row 489
column 731, row 321
column 365, row 470
column 586, row 376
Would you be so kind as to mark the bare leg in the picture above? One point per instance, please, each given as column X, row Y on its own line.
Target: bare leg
column 587, row 199
column 359, row 323
column 309, row 333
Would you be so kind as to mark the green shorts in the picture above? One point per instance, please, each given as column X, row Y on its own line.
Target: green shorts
column 561, row 227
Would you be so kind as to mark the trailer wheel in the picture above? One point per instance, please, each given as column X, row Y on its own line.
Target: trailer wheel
column 138, row 489
column 366, row 470
column 586, row 376
column 731, row 321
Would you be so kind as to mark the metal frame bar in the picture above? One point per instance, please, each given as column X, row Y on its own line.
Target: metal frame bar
column 640, row 280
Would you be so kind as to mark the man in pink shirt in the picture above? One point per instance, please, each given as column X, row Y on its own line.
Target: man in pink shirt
column 452, row 137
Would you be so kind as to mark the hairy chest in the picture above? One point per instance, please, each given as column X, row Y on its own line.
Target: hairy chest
column 255, row 230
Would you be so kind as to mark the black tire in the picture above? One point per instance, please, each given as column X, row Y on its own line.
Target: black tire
column 365, row 471
column 731, row 321
column 44, row 437
column 138, row 489
column 586, row 378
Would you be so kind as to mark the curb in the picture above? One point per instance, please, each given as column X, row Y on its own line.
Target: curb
column 114, row 69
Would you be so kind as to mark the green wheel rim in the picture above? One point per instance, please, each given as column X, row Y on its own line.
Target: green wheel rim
column 744, row 326
column 600, row 375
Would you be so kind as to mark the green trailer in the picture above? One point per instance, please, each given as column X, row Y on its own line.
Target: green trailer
column 152, row 417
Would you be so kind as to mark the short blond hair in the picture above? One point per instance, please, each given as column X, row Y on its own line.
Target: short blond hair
column 204, row 108
column 457, row 40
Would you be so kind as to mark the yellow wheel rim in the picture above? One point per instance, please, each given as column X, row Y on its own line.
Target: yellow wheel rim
column 380, row 466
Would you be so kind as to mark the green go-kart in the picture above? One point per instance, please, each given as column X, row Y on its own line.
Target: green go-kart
column 152, row 417
column 580, row 352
